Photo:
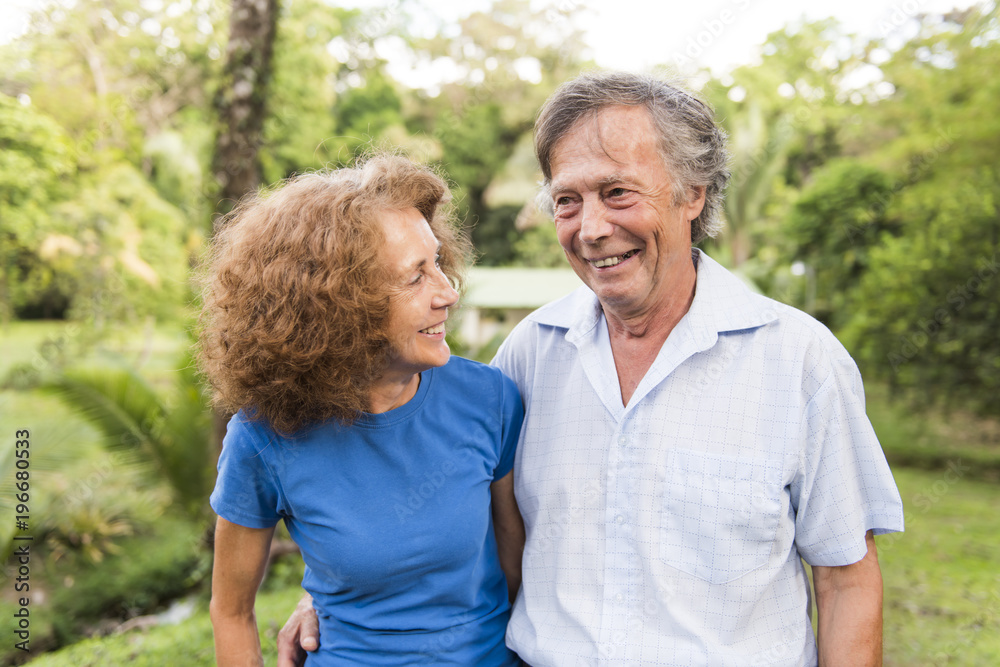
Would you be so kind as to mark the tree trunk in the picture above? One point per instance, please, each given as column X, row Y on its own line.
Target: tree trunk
column 242, row 99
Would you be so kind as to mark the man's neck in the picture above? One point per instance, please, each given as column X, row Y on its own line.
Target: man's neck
column 636, row 339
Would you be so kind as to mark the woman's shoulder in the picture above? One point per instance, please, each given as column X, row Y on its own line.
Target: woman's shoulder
column 248, row 432
column 474, row 374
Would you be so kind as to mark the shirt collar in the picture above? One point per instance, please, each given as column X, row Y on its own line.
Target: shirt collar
column 722, row 302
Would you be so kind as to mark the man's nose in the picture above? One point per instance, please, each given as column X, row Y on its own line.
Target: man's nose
column 593, row 224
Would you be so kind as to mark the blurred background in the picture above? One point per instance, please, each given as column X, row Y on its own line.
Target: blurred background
column 865, row 191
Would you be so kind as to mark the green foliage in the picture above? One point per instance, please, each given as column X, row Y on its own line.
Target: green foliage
column 300, row 131
column 58, row 451
column 539, row 247
column 130, row 260
column 150, row 569
column 922, row 316
column 925, row 317
column 493, row 234
column 834, row 223
column 365, row 112
column 34, row 161
column 172, row 435
column 932, row 439
column 188, row 643
column 512, row 57
column 106, row 246
column 175, row 171
column 78, row 596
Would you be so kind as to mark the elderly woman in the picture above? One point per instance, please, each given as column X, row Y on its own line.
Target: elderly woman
column 389, row 461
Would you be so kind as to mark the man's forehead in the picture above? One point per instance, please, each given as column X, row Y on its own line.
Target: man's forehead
column 616, row 132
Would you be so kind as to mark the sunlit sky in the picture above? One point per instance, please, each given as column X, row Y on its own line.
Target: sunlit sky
column 639, row 34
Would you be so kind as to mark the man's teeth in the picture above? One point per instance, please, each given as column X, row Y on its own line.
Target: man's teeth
column 612, row 261
column 434, row 330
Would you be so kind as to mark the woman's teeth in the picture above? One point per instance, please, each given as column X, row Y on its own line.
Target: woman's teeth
column 434, row 330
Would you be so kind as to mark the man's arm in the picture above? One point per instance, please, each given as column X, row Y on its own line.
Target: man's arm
column 849, row 611
column 509, row 530
column 240, row 560
column 299, row 634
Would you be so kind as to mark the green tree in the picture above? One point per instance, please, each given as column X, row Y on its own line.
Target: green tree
column 926, row 315
column 510, row 57
column 34, row 162
column 780, row 114
column 300, row 131
column 922, row 315
column 832, row 227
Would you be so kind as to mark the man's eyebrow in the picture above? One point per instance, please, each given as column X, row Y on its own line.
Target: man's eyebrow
column 616, row 177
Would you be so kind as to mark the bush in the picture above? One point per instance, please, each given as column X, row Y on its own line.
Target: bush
column 76, row 597
column 189, row 643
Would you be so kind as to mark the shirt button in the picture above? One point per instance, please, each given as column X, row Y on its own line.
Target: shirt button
column 620, row 519
column 622, row 440
column 619, row 597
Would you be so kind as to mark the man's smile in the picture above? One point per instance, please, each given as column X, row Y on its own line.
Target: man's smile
column 614, row 260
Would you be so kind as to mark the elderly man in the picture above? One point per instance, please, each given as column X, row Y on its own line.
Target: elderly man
column 687, row 443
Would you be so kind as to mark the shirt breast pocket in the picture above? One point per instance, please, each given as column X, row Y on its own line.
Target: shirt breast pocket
column 720, row 514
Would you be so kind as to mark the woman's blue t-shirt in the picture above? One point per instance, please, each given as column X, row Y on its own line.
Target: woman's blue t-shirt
column 392, row 515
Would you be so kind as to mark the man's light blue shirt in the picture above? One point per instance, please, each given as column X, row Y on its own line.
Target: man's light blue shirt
column 671, row 531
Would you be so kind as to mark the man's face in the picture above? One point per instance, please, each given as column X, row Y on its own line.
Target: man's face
column 615, row 214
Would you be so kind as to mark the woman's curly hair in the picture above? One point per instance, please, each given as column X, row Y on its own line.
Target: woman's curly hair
column 296, row 296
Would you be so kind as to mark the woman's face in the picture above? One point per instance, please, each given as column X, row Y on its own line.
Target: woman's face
column 421, row 295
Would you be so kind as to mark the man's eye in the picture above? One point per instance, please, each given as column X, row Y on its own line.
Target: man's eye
column 563, row 201
column 616, row 192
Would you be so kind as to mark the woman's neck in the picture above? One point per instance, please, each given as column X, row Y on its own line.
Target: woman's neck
column 388, row 394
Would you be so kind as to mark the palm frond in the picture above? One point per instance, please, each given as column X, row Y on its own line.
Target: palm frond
column 117, row 401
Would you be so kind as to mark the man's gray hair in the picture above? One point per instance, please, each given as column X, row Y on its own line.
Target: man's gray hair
column 693, row 147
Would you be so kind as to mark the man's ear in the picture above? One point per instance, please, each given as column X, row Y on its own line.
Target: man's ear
column 696, row 201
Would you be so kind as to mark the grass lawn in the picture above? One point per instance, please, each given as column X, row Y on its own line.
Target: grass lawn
column 942, row 576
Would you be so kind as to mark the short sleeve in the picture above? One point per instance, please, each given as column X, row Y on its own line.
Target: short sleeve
column 511, row 415
column 844, row 487
column 246, row 492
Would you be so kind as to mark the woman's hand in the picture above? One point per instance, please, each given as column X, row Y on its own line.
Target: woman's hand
column 240, row 561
